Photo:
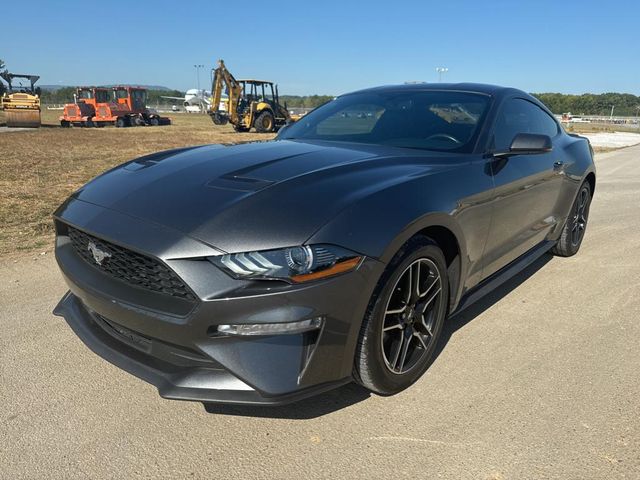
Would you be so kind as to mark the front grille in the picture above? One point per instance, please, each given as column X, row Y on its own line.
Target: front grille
column 127, row 266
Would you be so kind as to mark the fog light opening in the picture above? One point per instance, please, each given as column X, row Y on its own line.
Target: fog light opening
column 284, row 328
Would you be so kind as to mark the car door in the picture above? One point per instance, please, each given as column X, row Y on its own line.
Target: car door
column 527, row 187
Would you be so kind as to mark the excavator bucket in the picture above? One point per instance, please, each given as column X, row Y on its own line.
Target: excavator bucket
column 22, row 118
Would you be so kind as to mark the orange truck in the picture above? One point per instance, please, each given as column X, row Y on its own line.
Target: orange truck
column 81, row 112
column 122, row 106
column 128, row 109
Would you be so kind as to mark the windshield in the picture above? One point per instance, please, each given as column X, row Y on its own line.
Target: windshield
column 121, row 93
column 102, row 96
column 430, row 120
column 139, row 98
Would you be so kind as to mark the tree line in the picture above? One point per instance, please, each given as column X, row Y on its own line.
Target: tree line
column 305, row 101
column 624, row 104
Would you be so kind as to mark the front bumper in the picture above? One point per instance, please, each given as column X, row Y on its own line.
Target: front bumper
column 174, row 346
column 195, row 378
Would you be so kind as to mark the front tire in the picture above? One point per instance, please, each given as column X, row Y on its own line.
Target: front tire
column 264, row 123
column 404, row 319
column 576, row 224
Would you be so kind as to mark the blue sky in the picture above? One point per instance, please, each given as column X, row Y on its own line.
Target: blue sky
column 330, row 47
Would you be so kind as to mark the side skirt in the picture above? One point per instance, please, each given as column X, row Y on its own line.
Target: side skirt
column 502, row 275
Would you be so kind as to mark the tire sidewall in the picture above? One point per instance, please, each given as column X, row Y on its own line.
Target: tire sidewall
column 573, row 249
column 259, row 120
column 390, row 382
column 586, row 187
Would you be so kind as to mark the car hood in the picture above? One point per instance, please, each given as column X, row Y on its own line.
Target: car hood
column 252, row 196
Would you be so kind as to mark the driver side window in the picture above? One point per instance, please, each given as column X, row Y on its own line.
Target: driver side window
column 521, row 116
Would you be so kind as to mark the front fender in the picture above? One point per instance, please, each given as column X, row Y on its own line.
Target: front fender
column 379, row 224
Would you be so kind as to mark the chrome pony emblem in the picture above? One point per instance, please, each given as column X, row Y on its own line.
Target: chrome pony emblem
column 99, row 256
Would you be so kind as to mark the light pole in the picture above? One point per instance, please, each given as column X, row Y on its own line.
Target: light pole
column 441, row 71
column 198, row 67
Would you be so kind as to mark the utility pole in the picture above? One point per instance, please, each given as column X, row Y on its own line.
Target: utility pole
column 441, row 71
column 200, row 94
column 611, row 116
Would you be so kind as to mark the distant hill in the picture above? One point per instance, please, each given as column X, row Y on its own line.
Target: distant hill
column 54, row 88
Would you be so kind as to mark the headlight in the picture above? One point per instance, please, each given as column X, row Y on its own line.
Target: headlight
column 294, row 264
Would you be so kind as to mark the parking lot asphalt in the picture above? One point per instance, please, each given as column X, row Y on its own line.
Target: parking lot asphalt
column 539, row 380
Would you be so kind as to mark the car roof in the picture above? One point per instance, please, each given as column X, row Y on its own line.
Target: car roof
column 483, row 88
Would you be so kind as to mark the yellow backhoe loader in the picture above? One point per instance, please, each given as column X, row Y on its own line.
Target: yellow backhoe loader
column 251, row 103
column 21, row 104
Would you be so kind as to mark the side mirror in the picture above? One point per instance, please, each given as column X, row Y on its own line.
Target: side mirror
column 527, row 144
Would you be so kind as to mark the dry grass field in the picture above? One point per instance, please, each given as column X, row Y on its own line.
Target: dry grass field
column 599, row 127
column 39, row 168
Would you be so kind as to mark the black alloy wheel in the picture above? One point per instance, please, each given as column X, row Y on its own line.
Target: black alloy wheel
column 580, row 216
column 410, row 316
column 403, row 322
column 576, row 224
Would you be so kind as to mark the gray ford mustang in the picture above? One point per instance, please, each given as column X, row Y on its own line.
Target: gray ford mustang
column 268, row 272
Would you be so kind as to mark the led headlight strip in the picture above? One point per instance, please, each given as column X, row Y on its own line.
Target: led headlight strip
column 255, row 329
column 294, row 264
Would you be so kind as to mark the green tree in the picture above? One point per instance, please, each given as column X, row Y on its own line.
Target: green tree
column 624, row 104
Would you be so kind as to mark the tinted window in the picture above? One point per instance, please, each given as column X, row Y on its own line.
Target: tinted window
column 102, row 96
column 430, row 120
column 521, row 116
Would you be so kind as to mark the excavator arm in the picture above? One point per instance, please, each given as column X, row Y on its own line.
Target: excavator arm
column 221, row 78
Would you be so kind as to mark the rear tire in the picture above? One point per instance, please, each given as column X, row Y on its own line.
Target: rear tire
column 121, row 122
column 264, row 123
column 575, row 225
column 65, row 124
column 404, row 319
column 154, row 121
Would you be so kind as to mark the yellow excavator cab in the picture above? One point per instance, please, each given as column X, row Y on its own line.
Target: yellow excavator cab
column 21, row 104
column 251, row 103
